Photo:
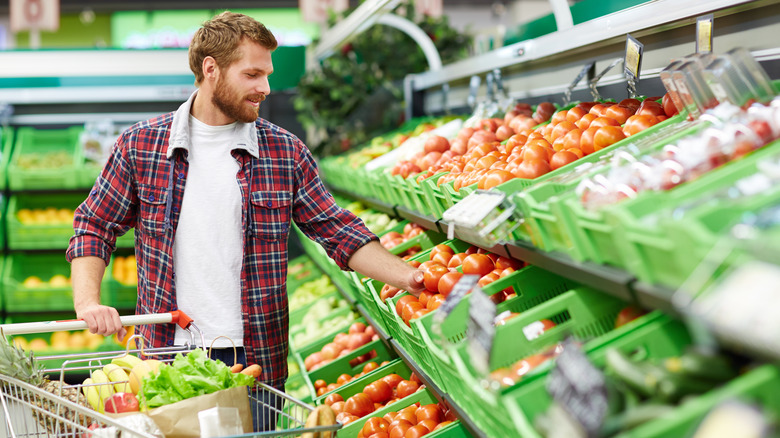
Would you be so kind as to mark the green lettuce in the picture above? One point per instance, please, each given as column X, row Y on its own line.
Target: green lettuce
column 188, row 376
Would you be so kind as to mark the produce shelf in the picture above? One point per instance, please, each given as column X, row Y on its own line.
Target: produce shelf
column 422, row 220
column 655, row 297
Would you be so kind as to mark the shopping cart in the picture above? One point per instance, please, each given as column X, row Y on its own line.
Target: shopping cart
column 30, row 411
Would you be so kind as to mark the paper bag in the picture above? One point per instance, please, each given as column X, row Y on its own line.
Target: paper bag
column 180, row 419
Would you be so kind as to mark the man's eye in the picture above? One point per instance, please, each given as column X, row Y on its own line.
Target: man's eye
column 250, row 75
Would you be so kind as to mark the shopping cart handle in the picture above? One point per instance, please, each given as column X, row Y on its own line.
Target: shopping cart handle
column 175, row 317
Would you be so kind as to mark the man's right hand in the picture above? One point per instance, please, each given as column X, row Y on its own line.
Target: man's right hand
column 102, row 320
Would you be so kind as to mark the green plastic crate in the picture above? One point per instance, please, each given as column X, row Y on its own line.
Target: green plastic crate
column 32, row 230
column 540, row 204
column 394, row 365
column 582, row 312
column 434, row 196
column 532, row 285
column 423, row 397
column 6, row 148
column 651, row 252
column 329, row 326
column 333, row 370
column 31, row 142
column 118, row 294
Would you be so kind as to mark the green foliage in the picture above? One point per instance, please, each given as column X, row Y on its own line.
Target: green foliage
column 358, row 91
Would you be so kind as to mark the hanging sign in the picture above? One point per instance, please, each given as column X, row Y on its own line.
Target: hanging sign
column 632, row 63
column 35, row 15
column 481, row 330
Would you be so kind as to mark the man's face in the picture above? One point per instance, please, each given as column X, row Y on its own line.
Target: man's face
column 244, row 84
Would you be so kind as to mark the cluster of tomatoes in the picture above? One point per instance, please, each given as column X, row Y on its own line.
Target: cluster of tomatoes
column 358, row 335
column 375, row 395
column 442, row 271
column 508, row 376
column 391, row 239
column 412, row 421
column 322, row 387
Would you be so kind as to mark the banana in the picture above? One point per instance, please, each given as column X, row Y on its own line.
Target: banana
column 90, row 393
column 103, row 388
column 119, row 376
column 127, row 362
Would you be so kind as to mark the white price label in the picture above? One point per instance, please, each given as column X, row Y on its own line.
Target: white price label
column 704, row 27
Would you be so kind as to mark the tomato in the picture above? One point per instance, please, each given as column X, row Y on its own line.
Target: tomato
column 440, row 248
column 575, row 114
column 558, row 117
column 375, row 425
column 436, row 143
column 419, row 314
column 342, row 379
column 603, row 121
column 530, row 169
column 456, row 260
column 487, row 279
column 627, row 315
column 448, row 282
column 359, row 405
column 414, row 263
column 435, row 302
column 409, row 417
column 562, row 158
column 338, row 407
column 442, row 257
column 370, row 366
column 599, row 109
column 537, row 328
column 398, row 428
column 576, row 151
column 586, row 140
column 638, row 123
column 392, row 380
column 572, row 139
column 346, row 418
column 378, row 391
column 477, row 264
column 524, row 366
column 650, row 108
column 429, row 424
column 425, row 296
column 430, row 412
column 409, row 309
column 331, row 350
column 562, row 129
column 406, row 387
column 496, row 178
column 320, row 383
column 443, row 424
column 669, row 108
column 585, row 121
column 631, row 103
column 432, row 276
column 386, row 292
column 607, row 136
column 331, row 387
column 618, row 112
column 403, row 301
column 416, row 431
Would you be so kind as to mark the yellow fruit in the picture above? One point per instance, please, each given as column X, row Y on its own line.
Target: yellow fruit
column 130, row 332
column 77, row 341
column 104, row 387
column 92, row 340
column 59, row 340
column 140, row 371
column 32, row 282
column 25, row 216
column 127, row 362
column 59, row 280
column 117, row 375
column 38, row 344
column 21, row 343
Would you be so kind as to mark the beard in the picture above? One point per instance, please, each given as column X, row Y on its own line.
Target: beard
column 234, row 106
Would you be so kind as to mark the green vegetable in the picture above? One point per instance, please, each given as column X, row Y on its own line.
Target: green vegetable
column 703, row 366
column 186, row 377
column 634, row 417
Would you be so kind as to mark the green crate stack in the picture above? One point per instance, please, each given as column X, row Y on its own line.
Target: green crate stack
column 28, row 228
column 434, row 197
column 582, row 313
column 31, row 144
column 121, row 293
column 532, row 285
column 650, row 251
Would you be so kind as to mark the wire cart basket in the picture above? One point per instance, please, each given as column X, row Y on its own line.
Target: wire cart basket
column 61, row 409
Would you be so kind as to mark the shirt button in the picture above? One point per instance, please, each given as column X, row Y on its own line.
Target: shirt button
column 269, row 204
column 181, row 175
column 170, row 342
column 151, row 198
column 176, row 209
column 94, row 193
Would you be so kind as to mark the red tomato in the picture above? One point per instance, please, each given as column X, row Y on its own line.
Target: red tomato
column 585, row 121
column 429, row 424
column 406, row 387
column 506, row 262
column 562, row 158
column 440, row 248
column 603, row 121
column 631, row 103
column 378, row 391
column 409, row 309
column 668, row 104
column 419, row 313
column 425, row 296
column 558, row 117
column 416, row 431
column 638, row 123
column 392, row 379
column 586, row 140
column 435, row 302
column 607, row 136
column 432, row 276
column 403, row 301
column 487, row 279
column 398, row 428
column 575, row 114
column 447, row 282
column 599, row 109
column 619, row 112
column 562, row 129
column 442, row 424
column 477, row 264
column 456, row 260
column 320, row 383
column 338, row 407
column 436, row 143
column 359, row 405
column 346, row 418
column 409, row 417
column 572, row 139
column 429, row 412
column 370, row 366
column 497, row 177
column 627, row 315
column 387, row 292
column 442, row 257
column 375, row 425
column 650, row 108
column 342, row 379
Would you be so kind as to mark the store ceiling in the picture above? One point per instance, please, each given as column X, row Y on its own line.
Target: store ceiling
column 71, row 6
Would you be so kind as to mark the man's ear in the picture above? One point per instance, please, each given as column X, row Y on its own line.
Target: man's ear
column 210, row 68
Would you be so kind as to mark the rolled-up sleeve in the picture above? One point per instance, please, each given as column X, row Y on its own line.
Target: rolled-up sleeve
column 339, row 231
column 108, row 211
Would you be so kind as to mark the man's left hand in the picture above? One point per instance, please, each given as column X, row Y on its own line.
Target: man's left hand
column 416, row 284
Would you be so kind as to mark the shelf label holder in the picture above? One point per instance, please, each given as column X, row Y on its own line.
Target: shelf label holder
column 592, row 83
column 704, row 27
column 481, row 330
column 632, row 63
column 590, row 70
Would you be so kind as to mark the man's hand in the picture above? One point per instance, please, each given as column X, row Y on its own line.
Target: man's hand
column 374, row 261
column 415, row 280
column 102, row 320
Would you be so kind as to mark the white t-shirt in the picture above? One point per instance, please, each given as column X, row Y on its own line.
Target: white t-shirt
column 208, row 246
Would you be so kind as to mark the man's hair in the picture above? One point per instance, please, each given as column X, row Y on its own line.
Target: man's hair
column 219, row 38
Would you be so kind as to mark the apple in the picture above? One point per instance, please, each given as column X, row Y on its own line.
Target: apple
column 121, row 402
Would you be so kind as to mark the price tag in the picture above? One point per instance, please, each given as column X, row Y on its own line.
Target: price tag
column 481, row 331
column 594, row 93
column 474, row 84
column 704, row 25
column 588, row 69
column 579, row 388
column 632, row 63
column 462, row 287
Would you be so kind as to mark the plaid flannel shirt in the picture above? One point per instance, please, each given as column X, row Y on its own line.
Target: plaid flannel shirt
column 141, row 187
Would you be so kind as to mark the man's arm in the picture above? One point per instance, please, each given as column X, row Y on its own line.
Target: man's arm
column 87, row 273
column 374, row 261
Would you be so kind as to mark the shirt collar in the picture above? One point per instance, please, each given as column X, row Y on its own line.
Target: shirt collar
column 244, row 134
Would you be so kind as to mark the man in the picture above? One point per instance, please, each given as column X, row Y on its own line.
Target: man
column 210, row 190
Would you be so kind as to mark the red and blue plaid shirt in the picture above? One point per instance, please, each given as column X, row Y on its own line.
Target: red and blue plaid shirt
column 141, row 187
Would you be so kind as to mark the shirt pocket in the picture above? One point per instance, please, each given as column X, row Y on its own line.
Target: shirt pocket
column 152, row 200
column 270, row 214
